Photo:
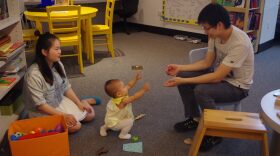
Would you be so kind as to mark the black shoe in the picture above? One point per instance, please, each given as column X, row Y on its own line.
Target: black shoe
column 185, row 126
column 209, row 142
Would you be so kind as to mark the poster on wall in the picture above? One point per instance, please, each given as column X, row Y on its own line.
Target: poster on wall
column 182, row 11
column 3, row 9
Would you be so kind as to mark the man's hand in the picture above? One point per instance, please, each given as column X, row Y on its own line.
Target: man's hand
column 172, row 69
column 138, row 76
column 146, row 87
column 173, row 82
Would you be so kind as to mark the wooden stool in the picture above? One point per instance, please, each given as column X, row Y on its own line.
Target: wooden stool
column 230, row 124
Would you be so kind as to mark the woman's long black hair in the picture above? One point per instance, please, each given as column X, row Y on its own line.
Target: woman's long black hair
column 45, row 42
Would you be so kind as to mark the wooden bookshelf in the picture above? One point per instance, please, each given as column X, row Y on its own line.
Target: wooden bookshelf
column 234, row 9
column 11, row 26
column 5, row 89
column 246, row 11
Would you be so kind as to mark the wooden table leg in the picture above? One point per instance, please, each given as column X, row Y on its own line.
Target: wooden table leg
column 275, row 144
column 199, row 134
column 265, row 149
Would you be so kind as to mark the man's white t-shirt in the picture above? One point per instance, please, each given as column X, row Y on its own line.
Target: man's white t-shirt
column 238, row 54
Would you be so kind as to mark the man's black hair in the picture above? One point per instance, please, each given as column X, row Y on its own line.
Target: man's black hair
column 214, row 13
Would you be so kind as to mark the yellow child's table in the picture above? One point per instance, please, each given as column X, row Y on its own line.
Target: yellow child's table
column 87, row 13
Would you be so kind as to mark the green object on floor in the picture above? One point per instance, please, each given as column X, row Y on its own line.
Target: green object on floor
column 135, row 138
column 133, row 147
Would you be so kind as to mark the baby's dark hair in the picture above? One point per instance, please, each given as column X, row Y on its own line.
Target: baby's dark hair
column 110, row 87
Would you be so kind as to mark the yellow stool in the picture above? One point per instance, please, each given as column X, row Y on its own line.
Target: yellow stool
column 230, row 124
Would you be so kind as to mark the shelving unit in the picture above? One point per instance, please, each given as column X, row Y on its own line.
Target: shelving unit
column 246, row 11
column 11, row 26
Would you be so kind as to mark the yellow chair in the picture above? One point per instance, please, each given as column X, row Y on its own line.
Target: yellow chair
column 28, row 33
column 70, row 35
column 29, row 38
column 106, row 29
column 71, row 2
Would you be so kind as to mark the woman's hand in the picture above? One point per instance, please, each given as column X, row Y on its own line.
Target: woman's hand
column 173, row 82
column 172, row 69
column 85, row 106
column 70, row 120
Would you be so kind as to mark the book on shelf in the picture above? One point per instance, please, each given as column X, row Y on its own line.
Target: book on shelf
column 254, row 20
column 7, row 50
column 254, row 3
column 4, row 49
column 237, row 19
column 257, row 21
column 13, row 67
column 239, row 3
column 4, row 39
column 232, row 17
column 252, row 37
column 240, row 20
column 2, row 63
column 230, row 3
column 219, row 2
column 7, row 81
column 4, row 13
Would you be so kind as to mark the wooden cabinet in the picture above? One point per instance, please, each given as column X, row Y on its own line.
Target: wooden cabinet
column 247, row 15
column 11, row 26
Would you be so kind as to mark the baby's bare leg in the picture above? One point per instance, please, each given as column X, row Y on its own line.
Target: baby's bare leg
column 125, row 126
column 103, row 130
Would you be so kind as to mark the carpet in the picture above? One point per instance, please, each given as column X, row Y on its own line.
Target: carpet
column 72, row 67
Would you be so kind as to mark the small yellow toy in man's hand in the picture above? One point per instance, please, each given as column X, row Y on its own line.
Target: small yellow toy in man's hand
column 137, row 67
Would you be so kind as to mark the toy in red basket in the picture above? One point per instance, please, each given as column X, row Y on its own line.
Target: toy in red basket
column 58, row 128
column 37, row 132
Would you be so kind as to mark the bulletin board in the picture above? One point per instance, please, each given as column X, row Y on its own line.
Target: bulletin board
column 182, row 11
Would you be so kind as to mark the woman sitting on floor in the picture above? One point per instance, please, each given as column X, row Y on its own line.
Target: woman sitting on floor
column 47, row 90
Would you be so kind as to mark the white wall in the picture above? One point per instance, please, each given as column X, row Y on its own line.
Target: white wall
column 269, row 20
column 149, row 12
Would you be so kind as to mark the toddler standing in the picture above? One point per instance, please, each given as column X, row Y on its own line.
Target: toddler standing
column 119, row 115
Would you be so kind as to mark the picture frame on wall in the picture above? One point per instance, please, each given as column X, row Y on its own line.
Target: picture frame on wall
column 62, row 2
column 4, row 13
